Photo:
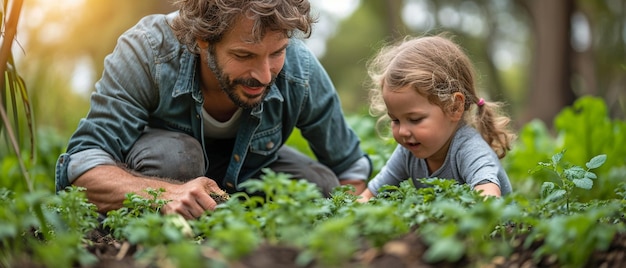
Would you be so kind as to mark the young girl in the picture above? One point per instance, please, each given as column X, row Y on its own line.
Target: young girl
column 443, row 129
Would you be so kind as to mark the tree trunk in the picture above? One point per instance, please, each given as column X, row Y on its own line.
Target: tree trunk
column 395, row 25
column 550, row 72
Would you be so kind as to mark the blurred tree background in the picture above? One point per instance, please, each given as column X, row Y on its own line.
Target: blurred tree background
column 538, row 56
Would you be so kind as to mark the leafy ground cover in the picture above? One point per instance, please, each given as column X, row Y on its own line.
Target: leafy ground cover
column 567, row 211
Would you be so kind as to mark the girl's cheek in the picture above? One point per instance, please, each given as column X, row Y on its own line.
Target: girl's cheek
column 395, row 134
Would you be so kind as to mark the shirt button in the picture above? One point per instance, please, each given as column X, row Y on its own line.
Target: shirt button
column 230, row 185
column 237, row 158
column 269, row 145
column 198, row 116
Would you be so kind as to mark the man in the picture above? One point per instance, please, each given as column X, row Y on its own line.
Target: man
column 201, row 100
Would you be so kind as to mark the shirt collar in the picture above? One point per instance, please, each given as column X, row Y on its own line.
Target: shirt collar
column 188, row 81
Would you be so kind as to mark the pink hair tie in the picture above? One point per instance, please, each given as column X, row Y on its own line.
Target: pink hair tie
column 481, row 102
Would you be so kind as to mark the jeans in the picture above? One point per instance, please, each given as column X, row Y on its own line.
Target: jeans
column 177, row 156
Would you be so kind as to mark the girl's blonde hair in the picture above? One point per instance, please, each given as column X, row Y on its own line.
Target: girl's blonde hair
column 436, row 68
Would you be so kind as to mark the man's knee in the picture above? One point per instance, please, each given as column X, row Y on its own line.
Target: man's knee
column 167, row 154
column 321, row 176
column 301, row 166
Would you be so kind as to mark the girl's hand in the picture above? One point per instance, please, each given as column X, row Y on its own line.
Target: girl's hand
column 488, row 189
column 365, row 196
column 359, row 185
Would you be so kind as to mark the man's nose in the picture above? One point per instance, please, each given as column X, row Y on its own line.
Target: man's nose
column 263, row 72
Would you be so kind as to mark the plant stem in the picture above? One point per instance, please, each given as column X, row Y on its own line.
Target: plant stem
column 10, row 30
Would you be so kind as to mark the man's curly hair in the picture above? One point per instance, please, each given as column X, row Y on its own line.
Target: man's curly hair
column 209, row 20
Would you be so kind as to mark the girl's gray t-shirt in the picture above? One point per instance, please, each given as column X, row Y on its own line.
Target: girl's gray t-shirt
column 470, row 160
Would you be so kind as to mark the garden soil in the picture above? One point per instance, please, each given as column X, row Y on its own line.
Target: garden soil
column 406, row 251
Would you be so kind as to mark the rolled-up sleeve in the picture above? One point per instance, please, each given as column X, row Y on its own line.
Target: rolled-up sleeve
column 119, row 108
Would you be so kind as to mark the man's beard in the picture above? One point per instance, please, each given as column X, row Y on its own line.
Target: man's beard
column 228, row 86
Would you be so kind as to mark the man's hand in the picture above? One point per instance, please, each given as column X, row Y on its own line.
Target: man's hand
column 192, row 198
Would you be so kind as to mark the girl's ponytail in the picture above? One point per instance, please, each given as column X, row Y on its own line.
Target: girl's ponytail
column 493, row 126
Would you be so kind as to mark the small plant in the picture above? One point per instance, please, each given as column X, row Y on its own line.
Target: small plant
column 570, row 176
column 289, row 206
column 134, row 206
column 41, row 224
column 339, row 232
column 77, row 213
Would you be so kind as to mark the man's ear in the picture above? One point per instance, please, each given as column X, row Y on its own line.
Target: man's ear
column 202, row 44
column 458, row 106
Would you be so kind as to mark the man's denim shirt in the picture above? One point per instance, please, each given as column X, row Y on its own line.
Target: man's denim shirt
column 150, row 79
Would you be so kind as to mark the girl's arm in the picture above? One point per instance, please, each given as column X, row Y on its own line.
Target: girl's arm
column 488, row 189
column 365, row 196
